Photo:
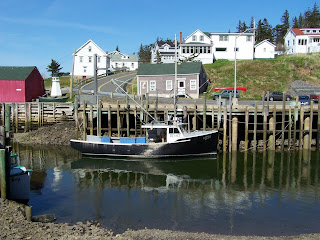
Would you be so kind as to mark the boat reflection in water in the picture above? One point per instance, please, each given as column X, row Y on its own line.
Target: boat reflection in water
column 241, row 193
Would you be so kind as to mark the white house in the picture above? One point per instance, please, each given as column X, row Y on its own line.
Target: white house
column 83, row 60
column 302, row 40
column 166, row 51
column 264, row 49
column 119, row 60
column 208, row 47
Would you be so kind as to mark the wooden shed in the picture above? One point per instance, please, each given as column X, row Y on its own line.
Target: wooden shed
column 20, row 84
column 159, row 79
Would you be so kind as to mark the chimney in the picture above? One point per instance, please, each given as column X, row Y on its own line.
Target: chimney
column 180, row 37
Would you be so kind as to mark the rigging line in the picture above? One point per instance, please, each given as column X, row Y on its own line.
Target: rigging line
column 114, row 82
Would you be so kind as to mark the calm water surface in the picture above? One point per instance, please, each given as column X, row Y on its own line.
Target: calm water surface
column 242, row 193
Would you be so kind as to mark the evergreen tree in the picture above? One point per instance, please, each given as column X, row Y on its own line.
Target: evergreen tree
column 158, row 57
column 295, row 23
column 281, row 29
column 264, row 31
column 54, row 68
column 145, row 54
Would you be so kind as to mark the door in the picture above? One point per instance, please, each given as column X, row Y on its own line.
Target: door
column 143, row 87
column 181, row 87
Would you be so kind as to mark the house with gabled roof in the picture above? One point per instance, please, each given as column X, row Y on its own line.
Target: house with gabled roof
column 83, row 60
column 302, row 40
column 165, row 50
column 159, row 79
column 120, row 60
column 264, row 49
column 20, row 84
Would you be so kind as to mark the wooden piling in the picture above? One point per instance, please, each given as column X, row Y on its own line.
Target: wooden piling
column 99, row 116
column 246, row 131
column 118, row 118
column 311, row 121
column 76, row 117
column 91, row 119
column 194, row 120
column 224, row 141
column 212, row 118
column 301, row 127
column 109, row 121
column 204, row 112
column 7, row 122
column 3, row 173
column 265, row 116
column 84, row 120
column 234, row 134
column 295, row 117
column 127, row 115
column 255, row 126
column 306, row 143
column 271, row 140
column 135, row 121
column 289, row 128
column 283, row 119
column 25, row 118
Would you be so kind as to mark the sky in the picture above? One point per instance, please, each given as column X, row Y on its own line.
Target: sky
column 35, row 31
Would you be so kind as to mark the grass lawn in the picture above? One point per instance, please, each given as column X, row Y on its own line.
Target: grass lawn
column 260, row 75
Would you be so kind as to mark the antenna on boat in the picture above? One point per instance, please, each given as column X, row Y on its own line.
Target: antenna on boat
column 175, row 77
column 123, row 91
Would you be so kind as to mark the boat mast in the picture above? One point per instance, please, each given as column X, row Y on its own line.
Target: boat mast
column 175, row 77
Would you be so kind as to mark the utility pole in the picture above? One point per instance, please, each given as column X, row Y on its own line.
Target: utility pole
column 71, row 80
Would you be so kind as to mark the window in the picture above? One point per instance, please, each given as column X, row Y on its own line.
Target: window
column 99, row 59
column 152, row 85
column 81, row 59
column 89, row 48
column 249, row 38
column 288, row 43
column 183, row 50
column 193, row 85
column 201, row 38
column 302, row 42
column 293, row 42
column 223, row 38
column 132, row 65
column 209, row 49
column 173, row 130
column 236, row 49
column 84, row 69
column 169, row 85
column 221, row 49
column 90, row 59
column 264, row 50
column 194, row 38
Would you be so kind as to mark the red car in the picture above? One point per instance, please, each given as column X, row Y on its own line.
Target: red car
column 314, row 98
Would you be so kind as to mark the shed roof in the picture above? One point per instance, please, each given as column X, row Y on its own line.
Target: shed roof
column 168, row 68
column 15, row 73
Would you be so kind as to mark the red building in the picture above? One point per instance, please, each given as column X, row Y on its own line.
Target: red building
column 20, row 84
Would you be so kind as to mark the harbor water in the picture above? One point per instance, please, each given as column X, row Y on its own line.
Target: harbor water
column 241, row 193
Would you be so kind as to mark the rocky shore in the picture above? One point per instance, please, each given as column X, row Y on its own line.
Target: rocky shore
column 13, row 223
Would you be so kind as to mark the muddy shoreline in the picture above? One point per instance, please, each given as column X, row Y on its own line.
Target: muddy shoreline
column 13, row 223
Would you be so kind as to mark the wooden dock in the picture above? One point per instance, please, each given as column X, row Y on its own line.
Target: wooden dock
column 266, row 126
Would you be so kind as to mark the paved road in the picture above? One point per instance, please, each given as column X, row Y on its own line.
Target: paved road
column 106, row 87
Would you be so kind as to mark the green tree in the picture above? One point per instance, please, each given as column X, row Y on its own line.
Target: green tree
column 264, row 31
column 158, row 57
column 54, row 68
column 145, row 54
column 281, row 29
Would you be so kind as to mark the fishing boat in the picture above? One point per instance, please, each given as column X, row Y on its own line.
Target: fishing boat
column 169, row 139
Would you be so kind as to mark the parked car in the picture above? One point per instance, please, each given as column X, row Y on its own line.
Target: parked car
column 304, row 100
column 276, row 96
column 314, row 98
column 225, row 94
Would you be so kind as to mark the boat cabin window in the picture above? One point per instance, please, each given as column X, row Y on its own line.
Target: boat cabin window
column 173, row 130
column 157, row 135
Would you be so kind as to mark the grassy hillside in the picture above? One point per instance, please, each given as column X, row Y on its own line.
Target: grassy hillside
column 264, row 74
